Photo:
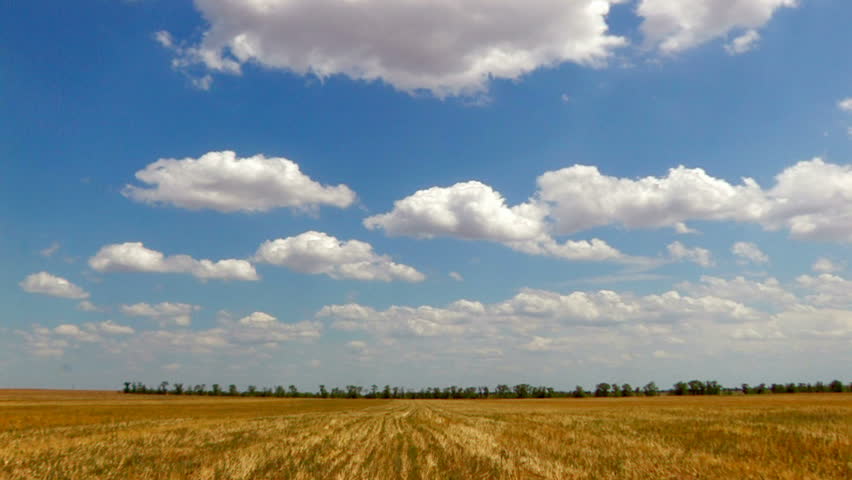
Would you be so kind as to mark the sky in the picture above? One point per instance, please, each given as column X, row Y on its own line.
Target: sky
column 424, row 193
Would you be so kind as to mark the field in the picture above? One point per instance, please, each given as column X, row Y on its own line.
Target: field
column 102, row 435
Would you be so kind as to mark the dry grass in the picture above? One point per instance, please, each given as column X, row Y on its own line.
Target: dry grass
column 102, row 435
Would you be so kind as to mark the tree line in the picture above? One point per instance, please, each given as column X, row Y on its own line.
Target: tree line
column 523, row 390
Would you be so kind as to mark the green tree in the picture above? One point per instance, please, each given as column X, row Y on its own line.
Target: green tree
column 651, row 390
column 602, row 390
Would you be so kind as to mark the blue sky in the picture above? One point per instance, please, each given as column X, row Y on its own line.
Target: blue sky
column 421, row 193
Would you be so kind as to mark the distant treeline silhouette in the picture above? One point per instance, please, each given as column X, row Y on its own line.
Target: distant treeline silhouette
column 523, row 390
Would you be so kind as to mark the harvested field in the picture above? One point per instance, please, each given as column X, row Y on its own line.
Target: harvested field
column 103, row 435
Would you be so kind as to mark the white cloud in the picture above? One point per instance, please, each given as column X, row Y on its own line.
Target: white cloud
column 682, row 229
column 475, row 211
column 743, row 43
column 535, row 310
column 447, row 48
column 49, row 251
column 845, row 104
column 470, row 210
column 46, row 342
column 166, row 313
column 46, row 284
column 749, row 252
column 741, row 289
column 580, row 198
column 134, row 257
column 88, row 306
column 73, row 331
column 221, row 181
column 110, row 328
column 812, row 199
column 829, row 290
column 456, row 276
column 258, row 319
column 676, row 25
column 164, row 38
column 319, row 253
column 258, row 330
column 681, row 252
column 824, row 265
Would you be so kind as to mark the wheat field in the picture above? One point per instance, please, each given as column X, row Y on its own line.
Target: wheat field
column 103, row 435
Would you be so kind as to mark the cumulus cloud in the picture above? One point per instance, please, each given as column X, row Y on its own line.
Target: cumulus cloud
column 475, row 211
column 46, row 284
column 824, row 265
column 319, row 253
column 676, row 25
column 456, row 276
column 446, row 48
column 681, row 252
column 88, row 306
column 769, row 291
column 258, row 319
column 534, row 310
column 221, row 181
column 682, row 229
column 469, row 210
column 249, row 335
column 580, row 198
column 743, row 43
column 749, row 252
column 135, row 257
column 49, row 251
column 812, row 199
column 166, row 313
column 47, row 342
column 845, row 104
column 828, row 290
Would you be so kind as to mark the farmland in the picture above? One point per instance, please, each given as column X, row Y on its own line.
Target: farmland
column 106, row 435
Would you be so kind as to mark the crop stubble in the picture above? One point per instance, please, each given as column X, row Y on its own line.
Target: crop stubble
column 105, row 435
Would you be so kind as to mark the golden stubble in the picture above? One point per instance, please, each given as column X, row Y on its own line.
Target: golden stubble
column 105, row 435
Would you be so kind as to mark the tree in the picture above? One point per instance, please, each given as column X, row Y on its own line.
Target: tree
column 294, row 392
column 503, row 391
column 126, row 387
column 522, row 390
column 323, row 392
column 353, row 391
column 578, row 392
column 232, row 390
column 215, row 389
column 602, row 390
column 651, row 390
column 836, row 386
column 178, row 388
column 696, row 387
column 680, row 388
column 251, row 391
column 626, row 390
